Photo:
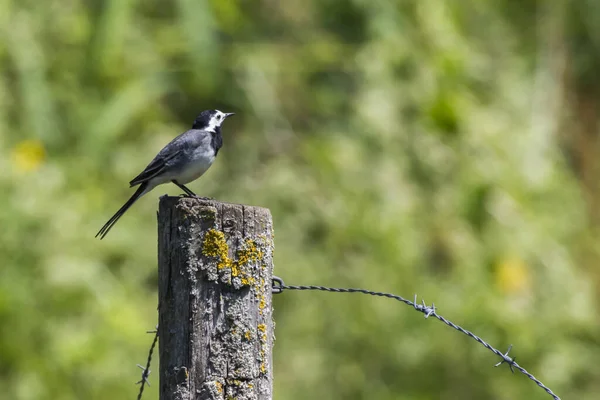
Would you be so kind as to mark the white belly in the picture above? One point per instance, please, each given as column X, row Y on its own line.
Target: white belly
column 195, row 169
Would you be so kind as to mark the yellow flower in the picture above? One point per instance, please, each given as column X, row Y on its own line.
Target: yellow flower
column 512, row 275
column 28, row 155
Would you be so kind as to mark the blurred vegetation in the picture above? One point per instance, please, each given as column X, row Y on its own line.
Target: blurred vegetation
column 444, row 148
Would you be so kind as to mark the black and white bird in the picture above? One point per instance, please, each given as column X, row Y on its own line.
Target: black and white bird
column 185, row 159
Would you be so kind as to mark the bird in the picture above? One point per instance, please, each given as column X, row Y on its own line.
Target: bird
column 183, row 160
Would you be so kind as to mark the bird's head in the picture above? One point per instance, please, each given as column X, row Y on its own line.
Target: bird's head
column 210, row 119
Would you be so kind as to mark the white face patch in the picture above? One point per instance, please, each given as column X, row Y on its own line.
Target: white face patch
column 216, row 120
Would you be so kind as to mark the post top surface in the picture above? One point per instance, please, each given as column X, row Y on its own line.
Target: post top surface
column 192, row 201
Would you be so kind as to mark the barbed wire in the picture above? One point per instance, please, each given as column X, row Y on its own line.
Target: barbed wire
column 278, row 286
column 146, row 370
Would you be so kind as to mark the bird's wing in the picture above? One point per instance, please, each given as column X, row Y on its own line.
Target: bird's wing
column 154, row 168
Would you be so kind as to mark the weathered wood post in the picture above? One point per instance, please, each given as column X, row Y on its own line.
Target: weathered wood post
column 215, row 263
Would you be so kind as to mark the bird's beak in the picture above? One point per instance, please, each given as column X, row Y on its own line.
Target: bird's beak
column 229, row 114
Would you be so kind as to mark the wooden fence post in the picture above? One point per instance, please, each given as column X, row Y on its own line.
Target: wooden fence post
column 215, row 264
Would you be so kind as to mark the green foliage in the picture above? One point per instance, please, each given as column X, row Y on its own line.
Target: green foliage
column 402, row 146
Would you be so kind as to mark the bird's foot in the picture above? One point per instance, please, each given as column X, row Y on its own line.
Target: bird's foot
column 195, row 196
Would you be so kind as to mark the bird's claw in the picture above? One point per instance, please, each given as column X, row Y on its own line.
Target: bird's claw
column 189, row 196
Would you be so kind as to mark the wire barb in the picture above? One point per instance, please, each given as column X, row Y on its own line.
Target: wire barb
column 146, row 370
column 154, row 330
column 424, row 308
column 145, row 375
column 508, row 360
column 278, row 286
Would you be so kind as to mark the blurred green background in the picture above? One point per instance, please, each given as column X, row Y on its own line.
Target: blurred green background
column 444, row 148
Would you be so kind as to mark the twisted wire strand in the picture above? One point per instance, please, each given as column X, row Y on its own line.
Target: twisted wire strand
column 146, row 369
column 430, row 311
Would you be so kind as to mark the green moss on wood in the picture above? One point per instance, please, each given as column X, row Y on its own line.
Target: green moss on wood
column 208, row 214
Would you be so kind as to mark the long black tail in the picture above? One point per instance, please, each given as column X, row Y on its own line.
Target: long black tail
column 113, row 220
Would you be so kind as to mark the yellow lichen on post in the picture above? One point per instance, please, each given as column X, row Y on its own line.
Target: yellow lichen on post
column 262, row 328
column 214, row 245
column 249, row 253
column 235, row 270
column 262, row 304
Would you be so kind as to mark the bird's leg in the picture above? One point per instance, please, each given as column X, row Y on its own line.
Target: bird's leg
column 184, row 188
column 189, row 192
